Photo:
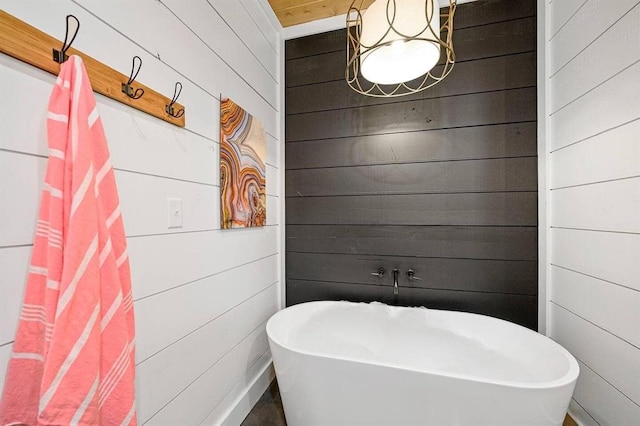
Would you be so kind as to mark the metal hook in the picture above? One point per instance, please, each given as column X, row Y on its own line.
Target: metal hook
column 126, row 87
column 61, row 55
column 176, row 94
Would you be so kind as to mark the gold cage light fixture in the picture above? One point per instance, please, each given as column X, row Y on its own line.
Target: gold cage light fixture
column 398, row 47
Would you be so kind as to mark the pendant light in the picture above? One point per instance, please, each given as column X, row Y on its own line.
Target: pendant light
column 398, row 47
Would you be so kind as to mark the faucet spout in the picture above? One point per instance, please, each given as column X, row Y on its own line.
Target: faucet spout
column 395, row 282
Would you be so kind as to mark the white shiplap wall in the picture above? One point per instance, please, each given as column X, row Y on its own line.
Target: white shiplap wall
column 202, row 295
column 593, row 152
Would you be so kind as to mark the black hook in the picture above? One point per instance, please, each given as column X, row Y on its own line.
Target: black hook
column 126, row 87
column 176, row 95
column 61, row 55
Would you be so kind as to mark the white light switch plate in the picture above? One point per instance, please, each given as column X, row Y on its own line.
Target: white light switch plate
column 175, row 212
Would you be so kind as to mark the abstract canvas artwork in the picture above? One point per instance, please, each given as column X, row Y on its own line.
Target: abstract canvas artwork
column 242, row 168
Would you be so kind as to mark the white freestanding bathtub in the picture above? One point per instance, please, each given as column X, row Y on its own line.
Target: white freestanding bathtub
column 342, row 363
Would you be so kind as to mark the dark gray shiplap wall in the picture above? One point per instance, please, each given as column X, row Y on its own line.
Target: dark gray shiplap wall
column 443, row 182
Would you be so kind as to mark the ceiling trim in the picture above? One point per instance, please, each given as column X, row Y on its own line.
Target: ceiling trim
column 315, row 27
column 324, row 25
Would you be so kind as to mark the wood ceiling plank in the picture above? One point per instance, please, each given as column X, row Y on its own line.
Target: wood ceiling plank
column 280, row 5
column 292, row 12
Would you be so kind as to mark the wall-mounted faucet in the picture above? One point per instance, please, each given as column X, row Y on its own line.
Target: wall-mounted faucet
column 412, row 275
column 395, row 282
column 379, row 273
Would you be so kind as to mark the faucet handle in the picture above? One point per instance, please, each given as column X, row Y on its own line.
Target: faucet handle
column 379, row 273
column 412, row 275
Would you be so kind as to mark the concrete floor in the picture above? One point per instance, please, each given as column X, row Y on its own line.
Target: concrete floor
column 268, row 410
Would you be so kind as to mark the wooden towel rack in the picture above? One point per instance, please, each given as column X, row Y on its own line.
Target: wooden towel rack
column 28, row 44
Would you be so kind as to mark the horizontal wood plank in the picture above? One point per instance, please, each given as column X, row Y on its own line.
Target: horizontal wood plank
column 513, row 174
column 502, row 208
column 316, row 44
column 498, row 73
column 609, row 256
column 262, row 37
column 584, row 27
column 239, row 400
column 597, row 300
column 144, row 211
column 28, row 44
column 262, row 20
column 570, row 82
column 210, row 72
column 315, row 69
column 193, row 253
column 211, row 28
column 504, row 38
column 598, row 110
column 611, row 155
column 493, row 276
column 606, row 206
column 131, row 134
column 155, row 160
column 443, row 181
column 607, row 405
column 597, row 348
column 486, row 12
column 465, row 143
column 194, row 403
column 296, row 12
column 14, row 264
column 516, row 308
column 173, row 369
column 157, row 330
column 561, row 12
column 502, row 243
column 508, row 106
column 471, row 14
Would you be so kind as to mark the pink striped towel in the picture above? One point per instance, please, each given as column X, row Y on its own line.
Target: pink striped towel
column 73, row 356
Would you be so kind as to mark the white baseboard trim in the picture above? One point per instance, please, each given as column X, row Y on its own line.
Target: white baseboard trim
column 579, row 415
column 240, row 400
column 315, row 27
column 574, row 418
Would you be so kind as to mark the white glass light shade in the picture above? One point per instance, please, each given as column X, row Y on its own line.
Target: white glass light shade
column 398, row 57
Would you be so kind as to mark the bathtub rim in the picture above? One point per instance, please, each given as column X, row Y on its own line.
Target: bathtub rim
column 571, row 375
